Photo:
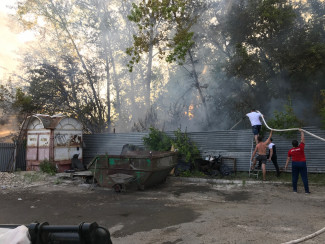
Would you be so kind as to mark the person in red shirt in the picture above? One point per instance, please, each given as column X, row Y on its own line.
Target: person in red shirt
column 297, row 155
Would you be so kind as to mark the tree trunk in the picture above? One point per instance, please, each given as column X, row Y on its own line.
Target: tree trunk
column 116, row 82
column 108, row 92
column 149, row 68
column 197, row 85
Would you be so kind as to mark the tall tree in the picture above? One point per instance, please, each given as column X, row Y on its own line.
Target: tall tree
column 63, row 20
column 165, row 26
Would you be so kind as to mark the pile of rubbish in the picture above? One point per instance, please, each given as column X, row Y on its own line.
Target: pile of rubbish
column 211, row 166
column 10, row 180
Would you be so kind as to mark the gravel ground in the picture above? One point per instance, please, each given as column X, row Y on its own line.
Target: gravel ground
column 178, row 211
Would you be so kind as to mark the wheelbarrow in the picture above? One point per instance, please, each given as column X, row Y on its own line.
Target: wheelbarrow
column 121, row 180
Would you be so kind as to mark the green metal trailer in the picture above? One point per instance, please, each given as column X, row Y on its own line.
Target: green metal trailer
column 145, row 169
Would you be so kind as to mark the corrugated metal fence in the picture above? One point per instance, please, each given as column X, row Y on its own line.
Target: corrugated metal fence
column 230, row 143
column 7, row 153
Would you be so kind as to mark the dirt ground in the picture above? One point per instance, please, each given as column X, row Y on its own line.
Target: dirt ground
column 178, row 211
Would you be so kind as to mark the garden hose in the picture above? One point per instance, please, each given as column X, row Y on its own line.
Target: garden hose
column 306, row 237
column 309, row 133
column 320, row 138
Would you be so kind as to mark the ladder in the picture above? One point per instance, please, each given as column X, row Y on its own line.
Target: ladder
column 255, row 172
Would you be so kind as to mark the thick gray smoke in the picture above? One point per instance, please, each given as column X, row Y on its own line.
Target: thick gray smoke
column 203, row 93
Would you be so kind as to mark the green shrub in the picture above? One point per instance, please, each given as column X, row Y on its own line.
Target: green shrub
column 185, row 147
column 157, row 140
column 47, row 167
column 284, row 120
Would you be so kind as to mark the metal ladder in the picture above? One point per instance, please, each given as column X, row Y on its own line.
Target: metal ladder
column 256, row 171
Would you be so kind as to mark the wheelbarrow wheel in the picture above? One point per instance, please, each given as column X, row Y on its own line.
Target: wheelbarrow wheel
column 117, row 187
column 140, row 187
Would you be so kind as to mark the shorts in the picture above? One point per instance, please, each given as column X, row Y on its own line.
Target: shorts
column 262, row 159
column 256, row 129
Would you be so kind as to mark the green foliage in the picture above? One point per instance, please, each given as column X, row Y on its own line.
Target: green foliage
column 194, row 173
column 186, row 173
column 166, row 17
column 185, row 147
column 32, row 176
column 15, row 101
column 285, row 120
column 24, row 103
column 182, row 43
column 47, row 167
column 275, row 45
column 157, row 140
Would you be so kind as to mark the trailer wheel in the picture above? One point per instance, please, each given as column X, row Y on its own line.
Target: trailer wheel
column 141, row 187
column 117, row 187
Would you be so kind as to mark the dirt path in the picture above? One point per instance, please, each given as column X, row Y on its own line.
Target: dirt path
column 175, row 212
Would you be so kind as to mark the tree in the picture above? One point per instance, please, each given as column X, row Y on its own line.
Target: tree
column 166, row 26
column 274, row 52
column 77, row 69
column 151, row 18
column 15, row 102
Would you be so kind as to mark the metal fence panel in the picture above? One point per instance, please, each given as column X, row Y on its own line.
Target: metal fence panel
column 7, row 151
column 21, row 157
column 228, row 143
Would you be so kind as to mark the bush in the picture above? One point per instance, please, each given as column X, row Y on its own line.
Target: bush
column 157, row 140
column 185, row 147
column 47, row 167
column 284, row 120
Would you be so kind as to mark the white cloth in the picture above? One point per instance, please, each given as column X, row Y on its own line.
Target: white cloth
column 254, row 118
column 19, row 235
column 271, row 145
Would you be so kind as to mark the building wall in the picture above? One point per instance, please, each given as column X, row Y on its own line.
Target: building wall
column 38, row 148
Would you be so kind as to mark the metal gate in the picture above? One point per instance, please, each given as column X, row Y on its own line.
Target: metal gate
column 11, row 156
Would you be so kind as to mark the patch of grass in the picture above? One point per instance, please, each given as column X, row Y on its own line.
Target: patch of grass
column 58, row 182
column 194, row 174
column 316, row 178
column 285, row 177
column 47, row 167
column 244, row 182
column 32, row 177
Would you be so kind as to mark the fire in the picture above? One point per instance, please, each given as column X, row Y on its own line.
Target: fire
column 205, row 69
column 5, row 133
column 189, row 113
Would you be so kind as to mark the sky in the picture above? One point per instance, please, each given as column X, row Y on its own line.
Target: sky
column 10, row 42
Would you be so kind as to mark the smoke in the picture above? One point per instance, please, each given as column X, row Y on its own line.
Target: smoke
column 175, row 94
column 8, row 127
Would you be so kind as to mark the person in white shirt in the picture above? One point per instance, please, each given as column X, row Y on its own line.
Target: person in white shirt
column 254, row 118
